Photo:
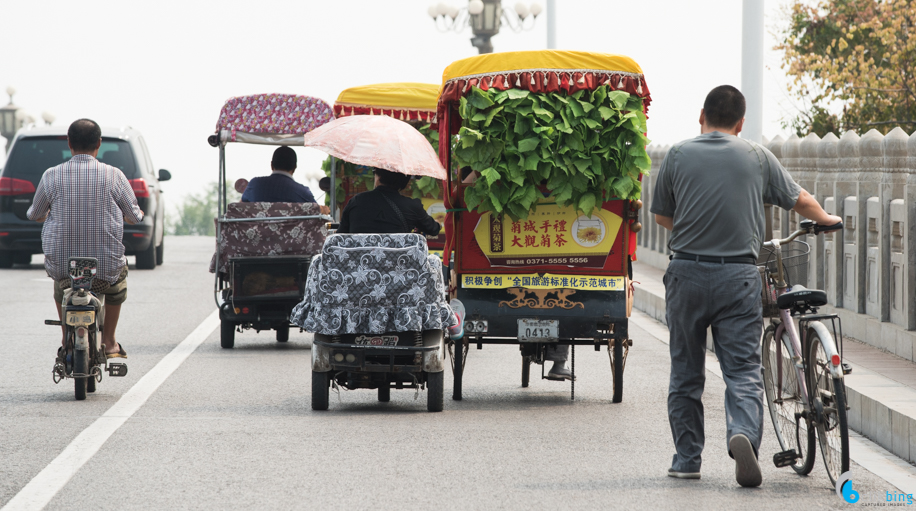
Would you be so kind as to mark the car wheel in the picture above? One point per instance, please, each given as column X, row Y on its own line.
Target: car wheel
column 146, row 260
column 22, row 258
column 6, row 259
column 160, row 252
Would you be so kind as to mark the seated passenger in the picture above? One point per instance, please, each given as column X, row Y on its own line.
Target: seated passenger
column 279, row 186
column 385, row 211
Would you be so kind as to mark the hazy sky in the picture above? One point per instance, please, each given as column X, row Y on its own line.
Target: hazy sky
column 166, row 67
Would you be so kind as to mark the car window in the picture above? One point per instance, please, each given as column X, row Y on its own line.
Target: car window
column 149, row 161
column 32, row 156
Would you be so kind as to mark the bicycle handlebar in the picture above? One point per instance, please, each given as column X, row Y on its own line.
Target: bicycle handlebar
column 806, row 227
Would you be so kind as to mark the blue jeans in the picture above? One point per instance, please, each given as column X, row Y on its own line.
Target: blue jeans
column 725, row 297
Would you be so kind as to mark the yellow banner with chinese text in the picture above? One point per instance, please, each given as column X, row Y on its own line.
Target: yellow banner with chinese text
column 545, row 281
column 551, row 235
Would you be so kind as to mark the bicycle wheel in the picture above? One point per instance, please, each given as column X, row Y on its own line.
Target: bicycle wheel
column 784, row 401
column 829, row 405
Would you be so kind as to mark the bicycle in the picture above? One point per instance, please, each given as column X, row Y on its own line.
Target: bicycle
column 803, row 374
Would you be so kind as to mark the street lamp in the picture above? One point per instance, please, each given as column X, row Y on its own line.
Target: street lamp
column 485, row 18
column 9, row 119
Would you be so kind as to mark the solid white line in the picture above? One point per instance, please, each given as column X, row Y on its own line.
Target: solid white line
column 863, row 451
column 44, row 486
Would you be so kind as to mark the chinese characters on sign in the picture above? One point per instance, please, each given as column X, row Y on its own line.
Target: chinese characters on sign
column 546, row 281
column 550, row 236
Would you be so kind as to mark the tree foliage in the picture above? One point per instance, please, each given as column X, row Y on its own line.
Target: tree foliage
column 852, row 64
column 196, row 213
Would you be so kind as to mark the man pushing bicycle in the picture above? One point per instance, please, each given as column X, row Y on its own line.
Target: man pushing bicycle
column 710, row 193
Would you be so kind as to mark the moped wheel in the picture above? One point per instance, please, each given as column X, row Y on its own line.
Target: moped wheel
column 90, row 384
column 227, row 334
column 526, row 370
column 283, row 333
column 80, row 366
column 784, row 401
column 435, row 389
column 829, row 405
column 320, row 390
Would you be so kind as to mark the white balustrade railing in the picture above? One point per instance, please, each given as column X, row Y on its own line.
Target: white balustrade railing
column 869, row 268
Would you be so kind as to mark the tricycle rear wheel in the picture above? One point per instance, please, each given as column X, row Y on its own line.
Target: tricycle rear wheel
column 618, row 370
column 526, row 370
column 320, row 390
column 384, row 392
column 435, row 383
column 458, row 369
column 226, row 334
column 283, row 333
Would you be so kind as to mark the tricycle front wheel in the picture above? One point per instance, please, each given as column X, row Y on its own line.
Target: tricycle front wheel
column 283, row 333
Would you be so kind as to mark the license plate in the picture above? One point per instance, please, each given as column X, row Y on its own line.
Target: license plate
column 376, row 340
column 80, row 318
column 538, row 330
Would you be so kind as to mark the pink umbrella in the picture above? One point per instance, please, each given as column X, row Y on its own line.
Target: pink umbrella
column 378, row 141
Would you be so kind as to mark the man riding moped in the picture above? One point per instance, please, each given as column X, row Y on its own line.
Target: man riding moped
column 83, row 204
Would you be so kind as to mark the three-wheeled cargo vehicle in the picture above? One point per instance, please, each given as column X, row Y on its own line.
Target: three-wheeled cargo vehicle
column 263, row 249
column 533, row 264
column 376, row 302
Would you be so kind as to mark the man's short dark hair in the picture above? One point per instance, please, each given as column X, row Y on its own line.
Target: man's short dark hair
column 724, row 107
column 84, row 135
column 284, row 159
column 389, row 178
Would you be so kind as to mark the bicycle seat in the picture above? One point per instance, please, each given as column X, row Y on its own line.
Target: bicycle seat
column 800, row 294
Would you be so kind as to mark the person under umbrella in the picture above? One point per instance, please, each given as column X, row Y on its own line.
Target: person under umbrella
column 384, row 210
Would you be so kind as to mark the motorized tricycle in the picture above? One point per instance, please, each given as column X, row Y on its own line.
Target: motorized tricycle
column 375, row 303
column 533, row 263
column 263, row 250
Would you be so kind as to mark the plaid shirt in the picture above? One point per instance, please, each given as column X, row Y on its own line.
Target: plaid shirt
column 86, row 202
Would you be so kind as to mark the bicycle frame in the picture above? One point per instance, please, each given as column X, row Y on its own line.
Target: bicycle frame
column 796, row 343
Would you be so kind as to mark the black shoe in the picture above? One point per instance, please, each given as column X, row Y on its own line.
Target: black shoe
column 747, row 470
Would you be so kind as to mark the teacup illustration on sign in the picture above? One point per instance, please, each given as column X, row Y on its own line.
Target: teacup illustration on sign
column 589, row 231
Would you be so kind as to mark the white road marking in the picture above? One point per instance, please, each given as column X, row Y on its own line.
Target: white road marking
column 44, row 486
column 863, row 451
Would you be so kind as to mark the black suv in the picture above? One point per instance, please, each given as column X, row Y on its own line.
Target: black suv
column 35, row 150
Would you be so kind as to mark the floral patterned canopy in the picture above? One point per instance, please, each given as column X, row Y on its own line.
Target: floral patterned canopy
column 282, row 114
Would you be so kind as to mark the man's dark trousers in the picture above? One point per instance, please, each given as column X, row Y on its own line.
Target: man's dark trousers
column 727, row 298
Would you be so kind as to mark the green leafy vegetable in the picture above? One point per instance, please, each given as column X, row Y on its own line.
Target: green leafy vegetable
column 587, row 148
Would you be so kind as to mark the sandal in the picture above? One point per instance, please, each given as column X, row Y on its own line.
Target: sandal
column 117, row 354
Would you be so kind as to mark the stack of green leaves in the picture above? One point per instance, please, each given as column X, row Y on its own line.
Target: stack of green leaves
column 587, row 147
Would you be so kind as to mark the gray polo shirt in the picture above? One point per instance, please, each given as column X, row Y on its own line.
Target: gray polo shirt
column 715, row 186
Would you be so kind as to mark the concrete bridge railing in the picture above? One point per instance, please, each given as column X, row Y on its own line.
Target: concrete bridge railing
column 869, row 268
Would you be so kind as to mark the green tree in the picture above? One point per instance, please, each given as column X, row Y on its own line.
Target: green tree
column 196, row 214
column 852, row 64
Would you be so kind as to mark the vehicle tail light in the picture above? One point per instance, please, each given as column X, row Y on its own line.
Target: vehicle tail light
column 140, row 235
column 12, row 186
column 141, row 190
column 835, row 360
column 82, row 332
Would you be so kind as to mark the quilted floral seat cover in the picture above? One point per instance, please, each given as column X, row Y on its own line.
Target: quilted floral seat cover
column 280, row 238
column 372, row 284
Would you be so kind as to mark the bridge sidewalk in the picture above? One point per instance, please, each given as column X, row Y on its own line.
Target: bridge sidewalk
column 881, row 387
